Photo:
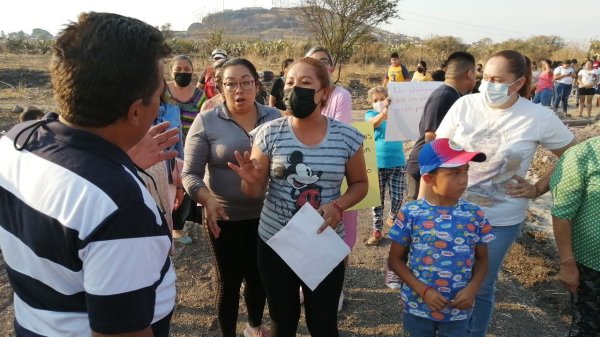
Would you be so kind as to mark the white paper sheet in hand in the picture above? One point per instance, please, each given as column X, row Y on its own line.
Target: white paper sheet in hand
column 311, row 256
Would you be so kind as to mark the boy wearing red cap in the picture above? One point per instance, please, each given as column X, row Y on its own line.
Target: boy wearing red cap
column 439, row 245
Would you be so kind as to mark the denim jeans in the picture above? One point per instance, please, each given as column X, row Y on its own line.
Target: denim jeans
column 544, row 97
column 415, row 326
column 484, row 301
column 562, row 95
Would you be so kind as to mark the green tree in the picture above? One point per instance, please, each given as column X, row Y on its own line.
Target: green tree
column 166, row 31
column 594, row 48
column 482, row 49
column 543, row 46
column 338, row 25
column 20, row 35
column 41, row 34
column 440, row 47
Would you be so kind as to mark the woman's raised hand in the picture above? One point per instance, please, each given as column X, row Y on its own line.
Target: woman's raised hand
column 248, row 169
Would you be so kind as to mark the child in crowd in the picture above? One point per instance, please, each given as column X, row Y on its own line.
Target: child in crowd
column 390, row 163
column 439, row 247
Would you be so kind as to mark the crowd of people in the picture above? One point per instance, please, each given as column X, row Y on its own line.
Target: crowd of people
column 132, row 156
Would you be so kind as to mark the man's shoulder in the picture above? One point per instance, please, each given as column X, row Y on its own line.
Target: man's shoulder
column 445, row 92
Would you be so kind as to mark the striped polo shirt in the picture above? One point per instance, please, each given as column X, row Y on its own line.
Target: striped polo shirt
column 300, row 173
column 84, row 243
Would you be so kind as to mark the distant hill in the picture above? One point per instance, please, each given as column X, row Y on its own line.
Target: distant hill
column 267, row 24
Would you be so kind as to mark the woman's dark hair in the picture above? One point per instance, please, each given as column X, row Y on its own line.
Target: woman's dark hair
column 422, row 64
column 102, row 64
column 183, row 57
column 285, row 64
column 321, row 70
column 519, row 66
column 317, row 49
column 236, row 61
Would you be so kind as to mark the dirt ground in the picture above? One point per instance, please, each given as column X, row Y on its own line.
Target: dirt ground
column 530, row 302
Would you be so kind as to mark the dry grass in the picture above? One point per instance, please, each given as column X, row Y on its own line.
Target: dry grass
column 530, row 302
column 24, row 62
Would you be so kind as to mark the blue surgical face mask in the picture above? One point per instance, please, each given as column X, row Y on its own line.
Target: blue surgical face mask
column 495, row 94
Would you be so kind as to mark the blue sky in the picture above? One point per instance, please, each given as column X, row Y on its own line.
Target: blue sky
column 469, row 20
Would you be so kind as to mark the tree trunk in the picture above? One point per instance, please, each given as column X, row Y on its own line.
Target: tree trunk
column 339, row 73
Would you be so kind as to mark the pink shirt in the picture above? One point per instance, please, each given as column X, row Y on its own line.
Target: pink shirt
column 339, row 107
column 544, row 82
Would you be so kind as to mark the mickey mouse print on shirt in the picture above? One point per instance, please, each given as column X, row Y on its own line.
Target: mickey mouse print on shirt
column 303, row 181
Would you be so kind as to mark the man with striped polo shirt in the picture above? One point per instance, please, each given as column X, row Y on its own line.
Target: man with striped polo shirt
column 86, row 248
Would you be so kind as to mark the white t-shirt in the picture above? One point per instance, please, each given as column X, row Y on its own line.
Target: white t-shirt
column 588, row 76
column 509, row 138
column 562, row 71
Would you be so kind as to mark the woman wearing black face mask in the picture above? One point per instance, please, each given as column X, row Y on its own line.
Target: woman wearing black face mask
column 421, row 74
column 184, row 94
column 302, row 159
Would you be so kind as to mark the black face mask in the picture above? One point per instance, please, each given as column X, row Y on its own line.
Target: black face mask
column 182, row 79
column 421, row 69
column 300, row 101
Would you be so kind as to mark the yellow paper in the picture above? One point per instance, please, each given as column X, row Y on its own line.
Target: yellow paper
column 373, row 198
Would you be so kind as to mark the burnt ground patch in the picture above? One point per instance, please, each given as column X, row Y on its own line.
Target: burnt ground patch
column 24, row 78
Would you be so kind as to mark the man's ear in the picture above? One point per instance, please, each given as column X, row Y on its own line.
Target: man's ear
column 134, row 112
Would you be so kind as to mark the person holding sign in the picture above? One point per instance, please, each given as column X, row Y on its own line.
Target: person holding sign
column 390, row 163
column 301, row 159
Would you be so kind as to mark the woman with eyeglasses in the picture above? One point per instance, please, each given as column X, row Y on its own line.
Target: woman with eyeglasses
column 300, row 159
column 502, row 123
column 231, row 216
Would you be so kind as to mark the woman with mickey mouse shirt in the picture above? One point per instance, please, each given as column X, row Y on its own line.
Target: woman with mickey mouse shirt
column 298, row 159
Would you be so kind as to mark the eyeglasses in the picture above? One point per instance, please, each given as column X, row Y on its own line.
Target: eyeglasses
column 232, row 86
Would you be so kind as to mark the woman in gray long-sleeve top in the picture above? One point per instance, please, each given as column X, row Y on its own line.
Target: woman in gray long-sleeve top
column 232, row 217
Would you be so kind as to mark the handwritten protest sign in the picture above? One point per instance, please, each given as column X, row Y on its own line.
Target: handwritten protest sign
column 406, row 108
column 373, row 198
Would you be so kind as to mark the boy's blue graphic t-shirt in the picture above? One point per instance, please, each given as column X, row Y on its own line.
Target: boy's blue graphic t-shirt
column 442, row 244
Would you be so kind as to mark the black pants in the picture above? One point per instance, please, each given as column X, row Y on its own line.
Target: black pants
column 413, row 181
column 188, row 211
column 586, row 307
column 281, row 286
column 235, row 257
